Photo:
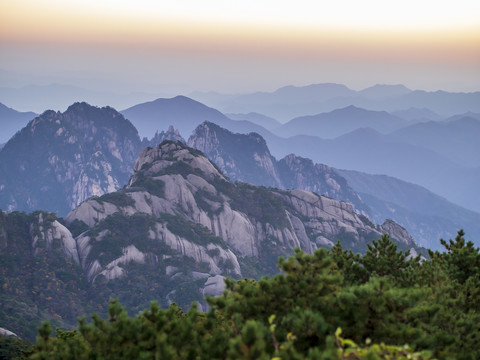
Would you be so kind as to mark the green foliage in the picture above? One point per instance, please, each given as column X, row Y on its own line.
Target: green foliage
column 36, row 283
column 258, row 202
column 118, row 198
column 349, row 350
column 77, row 227
column 262, row 204
column 119, row 232
column 462, row 259
column 180, row 168
column 211, row 203
column 191, row 231
column 153, row 186
column 297, row 314
column 383, row 259
column 13, row 348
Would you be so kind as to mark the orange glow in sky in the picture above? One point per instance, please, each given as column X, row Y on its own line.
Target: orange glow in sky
column 402, row 35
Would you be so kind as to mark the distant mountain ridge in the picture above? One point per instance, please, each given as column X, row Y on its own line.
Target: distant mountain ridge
column 456, row 139
column 354, row 150
column 340, row 122
column 383, row 91
column 184, row 113
column 417, row 114
column 256, row 118
column 427, row 216
column 290, row 102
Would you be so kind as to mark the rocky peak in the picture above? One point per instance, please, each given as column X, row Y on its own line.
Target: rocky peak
column 60, row 159
column 171, row 134
column 173, row 157
column 241, row 157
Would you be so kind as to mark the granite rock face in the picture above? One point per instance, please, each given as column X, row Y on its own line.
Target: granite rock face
column 176, row 187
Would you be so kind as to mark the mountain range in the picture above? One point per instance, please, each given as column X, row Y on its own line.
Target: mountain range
column 455, row 138
column 340, row 122
column 241, row 157
column 256, row 118
column 246, row 158
column 181, row 111
column 362, row 149
column 171, row 234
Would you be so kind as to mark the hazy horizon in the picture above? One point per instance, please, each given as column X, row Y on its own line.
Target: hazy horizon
column 231, row 47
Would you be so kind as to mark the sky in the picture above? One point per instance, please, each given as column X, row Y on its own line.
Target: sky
column 239, row 46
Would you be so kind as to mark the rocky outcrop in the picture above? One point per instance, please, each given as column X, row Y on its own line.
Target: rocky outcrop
column 5, row 332
column 398, row 232
column 171, row 134
column 43, row 232
column 181, row 224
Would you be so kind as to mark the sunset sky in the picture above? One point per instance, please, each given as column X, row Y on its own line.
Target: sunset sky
column 238, row 46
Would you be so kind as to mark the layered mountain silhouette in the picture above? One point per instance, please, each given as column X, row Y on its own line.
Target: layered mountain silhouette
column 184, row 113
column 25, row 186
column 340, row 122
column 256, row 118
column 417, row 114
column 246, row 158
column 290, row 102
column 456, row 139
column 427, row 216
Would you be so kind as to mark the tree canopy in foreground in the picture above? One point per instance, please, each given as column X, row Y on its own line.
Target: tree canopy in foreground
column 328, row 305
